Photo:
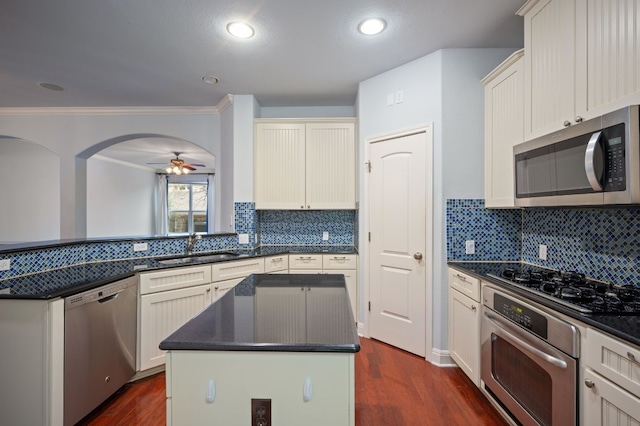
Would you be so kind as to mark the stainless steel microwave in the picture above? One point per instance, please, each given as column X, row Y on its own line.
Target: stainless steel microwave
column 596, row 162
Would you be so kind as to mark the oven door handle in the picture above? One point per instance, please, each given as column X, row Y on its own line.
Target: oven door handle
column 537, row 352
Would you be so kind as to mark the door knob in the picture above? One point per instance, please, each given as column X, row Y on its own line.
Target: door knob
column 417, row 256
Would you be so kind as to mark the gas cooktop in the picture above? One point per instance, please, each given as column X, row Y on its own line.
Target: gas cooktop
column 573, row 290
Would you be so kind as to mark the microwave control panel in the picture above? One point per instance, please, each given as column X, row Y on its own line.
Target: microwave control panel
column 615, row 172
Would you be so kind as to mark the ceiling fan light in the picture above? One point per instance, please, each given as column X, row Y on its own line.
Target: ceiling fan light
column 185, row 171
column 169, row 169
column 176, row 170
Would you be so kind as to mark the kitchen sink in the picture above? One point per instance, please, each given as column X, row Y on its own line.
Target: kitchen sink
column 214, row 257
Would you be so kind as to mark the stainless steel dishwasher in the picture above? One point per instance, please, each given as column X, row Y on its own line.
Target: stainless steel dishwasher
column 99, row 345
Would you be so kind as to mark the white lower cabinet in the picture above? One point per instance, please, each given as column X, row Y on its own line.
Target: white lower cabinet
column 163, row 313
column 464, row 323
column 216, row 388
column 611, row 387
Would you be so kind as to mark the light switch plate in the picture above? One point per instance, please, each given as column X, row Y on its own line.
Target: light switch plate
column 5, row 264
column 543, row 252
column 243, row 238
column 140, row 247
column 470, row 247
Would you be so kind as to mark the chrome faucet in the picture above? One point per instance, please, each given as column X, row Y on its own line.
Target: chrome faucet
column 191, row 242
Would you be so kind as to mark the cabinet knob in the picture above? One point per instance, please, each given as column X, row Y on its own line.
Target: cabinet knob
column 216, row 288
column 579, row 119
column 473, row 308
column 302, row 207
column 308, row 206
column 588, row 383
column 632, row 357
column 566, row 123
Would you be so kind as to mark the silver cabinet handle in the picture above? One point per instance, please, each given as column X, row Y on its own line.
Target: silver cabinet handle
column 462, row 277
column 417, row 256
column 588, row 383
column 566, row 123
column 579, row 119
column 590, row 161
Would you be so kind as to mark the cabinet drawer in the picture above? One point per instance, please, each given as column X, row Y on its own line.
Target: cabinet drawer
column 616, row 360
column 339, row 261
column 305, row 261
column 172, row 279
column 465, row 284
column 276, row 263
column 236, row 269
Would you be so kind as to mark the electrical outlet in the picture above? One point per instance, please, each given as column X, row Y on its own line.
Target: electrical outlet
column 5, row 264
column 140, row 247
column 260, row 412
column 243, row 238
column 470, row 247
column 325, row 236
column 543, row 252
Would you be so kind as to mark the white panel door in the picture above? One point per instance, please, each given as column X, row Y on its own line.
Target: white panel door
column 330, row 175
column 280, row 166
column 397, row 209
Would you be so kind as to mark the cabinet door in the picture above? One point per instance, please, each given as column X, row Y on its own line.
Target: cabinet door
column 606, row 404
column 163, row 313
column 330, row 166
column 304, row 261
column 276, row 264
column 280, row 166
column 339, row 261
column 220, row 288
column 464, row 334
column 504, row 128
column 236, row 269
column 549, row 63
column 173, row 279
column 607, row 55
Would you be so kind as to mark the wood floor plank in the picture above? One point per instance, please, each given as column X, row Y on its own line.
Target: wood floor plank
column 393, row 388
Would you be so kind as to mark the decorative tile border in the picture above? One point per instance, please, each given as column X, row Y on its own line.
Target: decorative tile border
column 496, row 233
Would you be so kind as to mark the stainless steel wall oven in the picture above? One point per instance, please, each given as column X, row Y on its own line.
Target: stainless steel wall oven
column 529, row 359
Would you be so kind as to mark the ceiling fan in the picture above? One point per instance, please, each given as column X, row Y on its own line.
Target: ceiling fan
column 178, row 166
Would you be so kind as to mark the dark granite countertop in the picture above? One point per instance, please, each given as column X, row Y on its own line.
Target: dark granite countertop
column 626, row 327
column 285, row 313
column 64, row 282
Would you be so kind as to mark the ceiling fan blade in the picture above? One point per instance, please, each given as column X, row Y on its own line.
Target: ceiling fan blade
column 188, row 167
column 194, row 165
column 158, row 163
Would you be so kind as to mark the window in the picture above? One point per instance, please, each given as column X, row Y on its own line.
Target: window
column 187, row 207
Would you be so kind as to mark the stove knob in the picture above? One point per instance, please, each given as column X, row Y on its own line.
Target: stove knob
column 588, row 383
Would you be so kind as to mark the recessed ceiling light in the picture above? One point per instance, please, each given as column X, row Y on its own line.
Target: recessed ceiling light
column 240, row 30
column 51, row 86
column 210, row 79
column 372, row 26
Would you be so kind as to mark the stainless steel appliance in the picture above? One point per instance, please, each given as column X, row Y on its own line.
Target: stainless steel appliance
column 100, row 345
column 596, row 162
column 529, row 359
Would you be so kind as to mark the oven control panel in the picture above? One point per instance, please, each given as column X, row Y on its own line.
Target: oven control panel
column 521, row 315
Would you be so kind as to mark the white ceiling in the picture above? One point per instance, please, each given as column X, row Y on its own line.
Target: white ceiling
column 118, row 53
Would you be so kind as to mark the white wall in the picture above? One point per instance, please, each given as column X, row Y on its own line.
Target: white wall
column 224, row 172
column 244, row 111
column 308, row 111
column 30, row 192
column 442, row 88
column 119, row 199
column 74, row 134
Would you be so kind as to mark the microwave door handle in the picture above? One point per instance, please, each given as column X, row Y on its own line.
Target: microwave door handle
column 589, row 161
column 500, row 330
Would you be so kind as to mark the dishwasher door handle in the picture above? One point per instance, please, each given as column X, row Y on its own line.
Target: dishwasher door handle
column 109, row 298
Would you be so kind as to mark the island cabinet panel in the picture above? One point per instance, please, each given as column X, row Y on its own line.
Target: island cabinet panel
column 239, row 376
column 163, row 313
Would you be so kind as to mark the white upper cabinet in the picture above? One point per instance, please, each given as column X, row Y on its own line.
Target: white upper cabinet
column 504, row 128
column 607, row 55
column 305, row 165
column 549, row 42
column 581, row 61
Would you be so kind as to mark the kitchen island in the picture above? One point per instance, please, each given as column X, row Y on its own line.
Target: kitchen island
column 278, row 346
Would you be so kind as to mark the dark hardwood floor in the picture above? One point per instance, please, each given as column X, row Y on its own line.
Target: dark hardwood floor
column 393, row 388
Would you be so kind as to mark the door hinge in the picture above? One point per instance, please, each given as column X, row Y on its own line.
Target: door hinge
column 369, row 306
column 368, row 165
column 369, row 236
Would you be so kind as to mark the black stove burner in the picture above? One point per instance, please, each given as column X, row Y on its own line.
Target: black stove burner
column 575, row 291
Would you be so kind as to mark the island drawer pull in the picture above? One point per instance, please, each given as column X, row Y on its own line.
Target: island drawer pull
column 211, row 391
column 307, row 390
column 462, row 277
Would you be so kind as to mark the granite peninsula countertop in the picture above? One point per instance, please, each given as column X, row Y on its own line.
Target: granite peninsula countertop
column 626, row 327
column 281, row 313
column 75, row 279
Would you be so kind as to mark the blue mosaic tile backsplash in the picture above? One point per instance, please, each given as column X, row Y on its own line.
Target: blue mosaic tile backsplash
column 290, row 227
column 604, row 244
column 601, row 243
column 497, row 233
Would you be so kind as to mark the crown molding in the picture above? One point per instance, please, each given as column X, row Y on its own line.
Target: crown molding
column 224, row 103
column 175, row 110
